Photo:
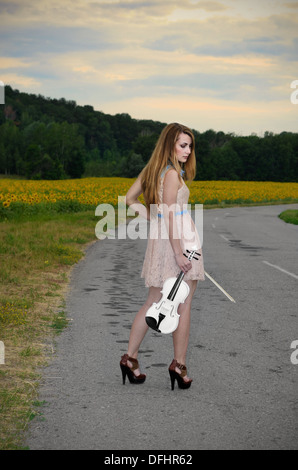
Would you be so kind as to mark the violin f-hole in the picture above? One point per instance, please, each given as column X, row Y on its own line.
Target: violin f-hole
column 161, row 317
column 153, row 323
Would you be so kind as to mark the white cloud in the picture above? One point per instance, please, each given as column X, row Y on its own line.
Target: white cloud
column 21, row 81
column 202, row 114
column 13, row 62
column 143, row 56
column 290, row 5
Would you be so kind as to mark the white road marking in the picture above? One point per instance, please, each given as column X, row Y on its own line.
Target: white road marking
column 225, row 238
column 281, row 269
column 220, row 288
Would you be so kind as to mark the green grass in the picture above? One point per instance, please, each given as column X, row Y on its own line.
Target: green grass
column 290, row 217
column 21, row 211
column 36, row 256
column 60, row 321
column 228, row 205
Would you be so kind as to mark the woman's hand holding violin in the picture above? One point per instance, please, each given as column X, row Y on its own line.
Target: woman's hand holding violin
column 183, row 263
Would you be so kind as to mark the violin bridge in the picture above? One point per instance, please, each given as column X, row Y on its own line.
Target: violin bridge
column 166, row 311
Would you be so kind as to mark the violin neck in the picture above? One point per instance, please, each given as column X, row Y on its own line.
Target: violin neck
column 176, row 286
column 179, row 279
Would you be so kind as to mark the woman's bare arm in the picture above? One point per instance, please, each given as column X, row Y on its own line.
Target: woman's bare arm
column 171, row 186
column 132, row 201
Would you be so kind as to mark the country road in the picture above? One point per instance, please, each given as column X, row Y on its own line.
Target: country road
column 244, row 394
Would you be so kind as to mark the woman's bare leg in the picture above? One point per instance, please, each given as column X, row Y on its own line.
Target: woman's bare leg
column 139, row 327
column 181, row 335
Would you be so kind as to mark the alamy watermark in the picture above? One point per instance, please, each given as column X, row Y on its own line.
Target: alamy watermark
column 161, row 217
column 294, row 355
column 2, row 353
column 294, row 95
column 2, row 93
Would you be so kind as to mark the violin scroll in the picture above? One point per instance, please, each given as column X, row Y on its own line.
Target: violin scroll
column 192, row 254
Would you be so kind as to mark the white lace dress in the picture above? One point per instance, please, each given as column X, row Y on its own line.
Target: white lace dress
column 159, row 263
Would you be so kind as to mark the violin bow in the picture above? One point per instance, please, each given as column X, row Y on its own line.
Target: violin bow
column 219, row 287
column 209, row 277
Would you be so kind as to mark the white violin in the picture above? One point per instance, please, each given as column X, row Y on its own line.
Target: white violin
column 163, row 316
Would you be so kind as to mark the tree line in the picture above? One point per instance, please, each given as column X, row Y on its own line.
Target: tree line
column 44, row 138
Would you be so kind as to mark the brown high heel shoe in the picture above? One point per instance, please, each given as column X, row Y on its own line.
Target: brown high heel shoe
column 129, row 371
column 177, row 376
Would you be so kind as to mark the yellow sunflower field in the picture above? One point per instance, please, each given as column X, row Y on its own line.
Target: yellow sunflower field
column 87, row 193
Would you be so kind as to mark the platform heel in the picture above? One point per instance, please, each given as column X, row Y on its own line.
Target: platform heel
column 174, row 375
column 129, row 371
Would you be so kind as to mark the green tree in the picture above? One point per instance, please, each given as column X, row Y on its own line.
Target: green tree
column 131, row 165
column 33, row 159
column 10, row 140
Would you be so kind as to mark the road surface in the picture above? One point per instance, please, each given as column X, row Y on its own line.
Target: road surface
column 244, row 394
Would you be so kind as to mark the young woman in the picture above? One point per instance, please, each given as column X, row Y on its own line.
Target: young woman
column 161, row 182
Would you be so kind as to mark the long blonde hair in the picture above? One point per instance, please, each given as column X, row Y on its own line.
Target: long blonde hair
column 163, row 154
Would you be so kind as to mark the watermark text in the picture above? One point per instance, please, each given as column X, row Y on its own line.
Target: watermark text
column 2, row 93
column 165, row 221
column 294, row 95
column 2, row 353
column 294, row 355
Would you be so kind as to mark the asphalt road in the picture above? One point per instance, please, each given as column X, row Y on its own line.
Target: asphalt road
column 244, row 394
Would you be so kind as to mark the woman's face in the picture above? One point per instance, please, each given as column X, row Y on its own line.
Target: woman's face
column 183, row 147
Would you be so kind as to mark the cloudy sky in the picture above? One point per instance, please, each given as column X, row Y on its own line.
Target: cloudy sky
column 226, row 65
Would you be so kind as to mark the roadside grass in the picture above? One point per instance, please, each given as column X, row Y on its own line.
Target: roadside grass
column 36, row 259
column 228, row 205
column 290, row 217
